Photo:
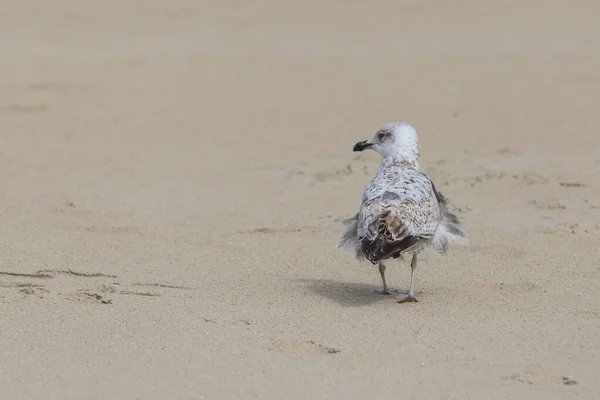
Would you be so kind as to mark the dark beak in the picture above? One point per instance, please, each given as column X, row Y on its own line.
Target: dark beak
column 360, row 146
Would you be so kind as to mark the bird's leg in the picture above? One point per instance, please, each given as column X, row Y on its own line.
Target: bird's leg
column 411, row 292
column 385, row 290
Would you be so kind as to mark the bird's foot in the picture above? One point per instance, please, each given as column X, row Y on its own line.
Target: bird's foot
column 408, row 299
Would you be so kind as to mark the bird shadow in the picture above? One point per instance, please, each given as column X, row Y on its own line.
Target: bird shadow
column 347, row 294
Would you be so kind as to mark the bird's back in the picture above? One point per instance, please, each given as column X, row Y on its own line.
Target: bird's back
column 399, row 210
column 403, row 190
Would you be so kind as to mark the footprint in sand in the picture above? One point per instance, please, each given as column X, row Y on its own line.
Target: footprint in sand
column 23, row 108
column 304, row 348
column 542, row 378
column 74, row 286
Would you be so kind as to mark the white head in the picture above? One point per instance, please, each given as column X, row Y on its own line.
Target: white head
column 396, row 139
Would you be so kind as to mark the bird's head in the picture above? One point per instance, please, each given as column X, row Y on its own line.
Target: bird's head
column 396, row 139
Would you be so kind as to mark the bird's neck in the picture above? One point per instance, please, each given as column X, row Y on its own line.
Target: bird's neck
column 407, row 153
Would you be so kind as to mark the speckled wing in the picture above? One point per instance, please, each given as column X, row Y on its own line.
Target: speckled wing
column 399, row 210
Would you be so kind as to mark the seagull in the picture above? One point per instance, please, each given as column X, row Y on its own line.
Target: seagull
column 401, row 211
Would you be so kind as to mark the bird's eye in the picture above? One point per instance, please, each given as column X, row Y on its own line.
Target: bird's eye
column 381, row 135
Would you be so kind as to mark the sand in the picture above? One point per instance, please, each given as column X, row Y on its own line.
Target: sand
column 173, row 176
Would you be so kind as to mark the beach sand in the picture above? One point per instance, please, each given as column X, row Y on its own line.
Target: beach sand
column 174, row 175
